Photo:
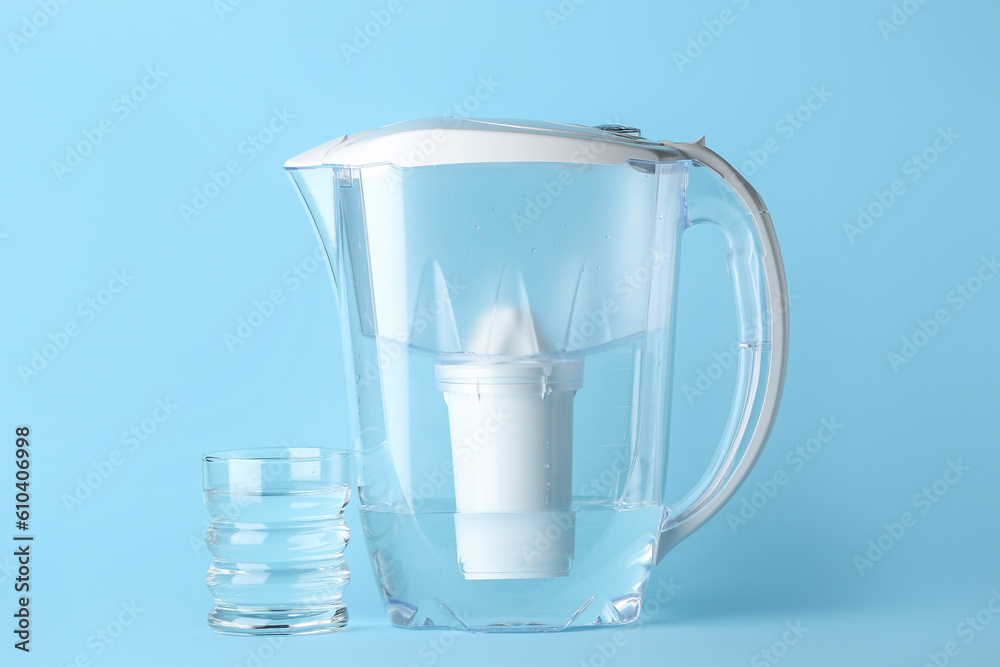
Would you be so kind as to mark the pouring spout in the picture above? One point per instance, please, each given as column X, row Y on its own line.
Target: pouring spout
column 316, row 191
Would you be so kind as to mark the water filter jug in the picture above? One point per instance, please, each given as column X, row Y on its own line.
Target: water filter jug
column 507, row 293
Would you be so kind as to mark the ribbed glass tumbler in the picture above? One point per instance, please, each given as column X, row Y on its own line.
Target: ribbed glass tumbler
column 277, row 539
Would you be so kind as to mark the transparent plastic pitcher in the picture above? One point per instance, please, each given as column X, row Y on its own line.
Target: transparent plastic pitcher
column 506, row 291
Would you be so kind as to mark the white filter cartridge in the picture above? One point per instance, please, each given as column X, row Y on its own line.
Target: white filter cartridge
column 512, row 449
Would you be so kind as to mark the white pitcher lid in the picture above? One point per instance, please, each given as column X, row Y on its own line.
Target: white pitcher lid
column 453, row 140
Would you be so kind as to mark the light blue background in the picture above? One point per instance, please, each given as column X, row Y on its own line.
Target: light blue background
column 162, row 336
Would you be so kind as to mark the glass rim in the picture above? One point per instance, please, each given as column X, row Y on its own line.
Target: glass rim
column 267, row 454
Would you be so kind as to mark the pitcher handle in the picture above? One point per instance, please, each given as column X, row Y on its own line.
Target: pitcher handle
column 717, row 193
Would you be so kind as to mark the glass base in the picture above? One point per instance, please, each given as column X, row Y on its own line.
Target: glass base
column 418, row 565
column 595, row 612
column 257, row 621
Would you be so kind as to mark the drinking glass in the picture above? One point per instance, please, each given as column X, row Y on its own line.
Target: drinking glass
column 277, row 539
